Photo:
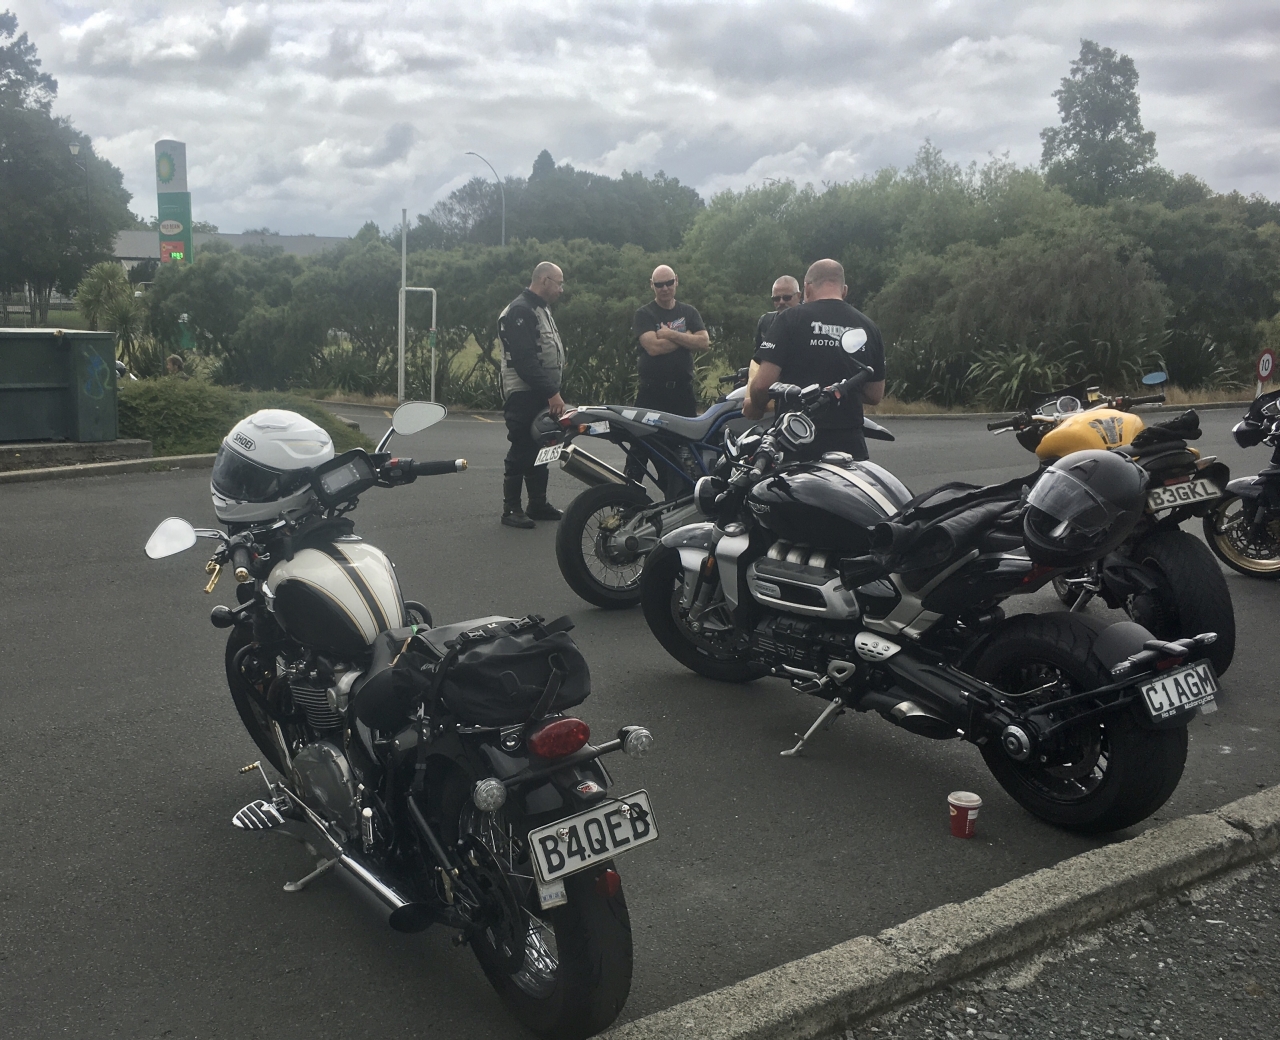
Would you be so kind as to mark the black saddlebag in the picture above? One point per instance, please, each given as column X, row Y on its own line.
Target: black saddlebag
column 502, row 674
column 399, row 678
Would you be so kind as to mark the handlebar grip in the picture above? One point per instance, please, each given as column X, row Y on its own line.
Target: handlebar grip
column 1151, row 399
column 1003, row 424
column 240, row 560
column 435, row 469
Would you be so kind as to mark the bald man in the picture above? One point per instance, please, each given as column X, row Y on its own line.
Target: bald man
column 668, row 334
column 786, row 294
column 532, row 368
column 809, row 344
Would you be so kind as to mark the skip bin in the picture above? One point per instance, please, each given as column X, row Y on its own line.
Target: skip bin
column 57, row 385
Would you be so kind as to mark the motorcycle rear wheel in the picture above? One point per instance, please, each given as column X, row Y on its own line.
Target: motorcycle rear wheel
column 1222, row 530
column 1101, row 776
column 595, row 569
column 660, row 586
column 1191, row 595
column 575, row 975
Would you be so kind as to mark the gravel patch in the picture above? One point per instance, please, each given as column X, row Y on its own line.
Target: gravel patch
column 1203, row 966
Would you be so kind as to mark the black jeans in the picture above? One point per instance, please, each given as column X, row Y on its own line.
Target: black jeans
column 519, row 410
column 663, row 397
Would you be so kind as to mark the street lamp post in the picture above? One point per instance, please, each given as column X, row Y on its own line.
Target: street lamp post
column 501, row 189
column 88, row 209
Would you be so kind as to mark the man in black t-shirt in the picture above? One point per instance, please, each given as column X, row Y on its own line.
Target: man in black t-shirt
column 668, row 334
column 813, row 343
column 786, row 294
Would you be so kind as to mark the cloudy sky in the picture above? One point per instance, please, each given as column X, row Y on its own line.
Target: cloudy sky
column 317, row 115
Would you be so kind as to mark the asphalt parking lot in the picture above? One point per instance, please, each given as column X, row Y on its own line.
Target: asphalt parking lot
column 132, row 908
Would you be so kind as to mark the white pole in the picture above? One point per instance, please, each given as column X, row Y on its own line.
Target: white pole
column 433, row 345
column 404, row 248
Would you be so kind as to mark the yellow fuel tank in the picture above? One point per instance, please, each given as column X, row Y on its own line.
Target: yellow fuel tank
column 1096, row 428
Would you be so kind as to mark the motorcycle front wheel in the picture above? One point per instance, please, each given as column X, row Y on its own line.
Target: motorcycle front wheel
column 595, row 563
column 707, row 650
column 1102, row 775
column 1191, row 595
column 1226, row 531
column 564, row 973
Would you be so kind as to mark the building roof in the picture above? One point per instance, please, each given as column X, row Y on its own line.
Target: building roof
column 145, row 245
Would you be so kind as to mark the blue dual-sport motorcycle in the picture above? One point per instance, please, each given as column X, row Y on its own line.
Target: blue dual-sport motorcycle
column 609, row 529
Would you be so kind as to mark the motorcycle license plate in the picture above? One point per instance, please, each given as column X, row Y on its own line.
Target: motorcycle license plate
column 607, row 830
column 1182, row 494
column 546, row 455
column 1181, row 690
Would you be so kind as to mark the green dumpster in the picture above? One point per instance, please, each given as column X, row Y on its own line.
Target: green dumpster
column 57, row 385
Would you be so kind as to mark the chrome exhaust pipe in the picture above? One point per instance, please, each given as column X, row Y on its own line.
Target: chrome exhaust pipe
column 587, row 468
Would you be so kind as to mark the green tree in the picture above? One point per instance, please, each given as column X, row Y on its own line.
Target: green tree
column 101, row 287
column 1100, row 150
column 22, row 84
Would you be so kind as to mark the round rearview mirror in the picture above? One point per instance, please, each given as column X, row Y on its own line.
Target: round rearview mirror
column 416, row 416
column 174, row 535
column 1155, row 378
column 853, row 340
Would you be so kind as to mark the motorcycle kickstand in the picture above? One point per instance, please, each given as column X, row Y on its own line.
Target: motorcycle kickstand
column 1082, row 600
column 324, row 868
column 834, row 708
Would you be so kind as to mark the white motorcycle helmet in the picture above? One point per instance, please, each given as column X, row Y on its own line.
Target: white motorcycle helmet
column 263, row 468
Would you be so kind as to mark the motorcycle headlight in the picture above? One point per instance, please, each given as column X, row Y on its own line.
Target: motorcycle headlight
column 705, row 493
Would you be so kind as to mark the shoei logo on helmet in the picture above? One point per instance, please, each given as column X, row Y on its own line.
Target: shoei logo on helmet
column 244, row 442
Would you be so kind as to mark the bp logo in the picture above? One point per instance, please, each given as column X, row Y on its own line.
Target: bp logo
column 244, row 442
column 165, row 168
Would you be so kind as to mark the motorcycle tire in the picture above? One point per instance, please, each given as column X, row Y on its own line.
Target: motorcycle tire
column 255, row 720
column 659, row 597
column 1256, row 559
column 579, row 548
column 1102, row 776
column 578, row 989
column 1191, row 595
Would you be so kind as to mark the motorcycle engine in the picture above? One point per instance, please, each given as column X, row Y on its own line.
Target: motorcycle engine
column 322, row 776
column 801, row 643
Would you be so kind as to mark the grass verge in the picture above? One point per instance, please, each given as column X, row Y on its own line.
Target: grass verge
column 190, row 417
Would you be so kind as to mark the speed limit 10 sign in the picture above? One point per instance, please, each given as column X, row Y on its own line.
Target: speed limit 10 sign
column 1266, row 365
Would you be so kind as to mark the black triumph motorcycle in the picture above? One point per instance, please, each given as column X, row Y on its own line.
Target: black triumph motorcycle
column 434, row 768
column 828, row 573
column 1243, row 529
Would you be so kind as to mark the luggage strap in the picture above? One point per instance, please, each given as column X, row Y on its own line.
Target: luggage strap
column 558, row 672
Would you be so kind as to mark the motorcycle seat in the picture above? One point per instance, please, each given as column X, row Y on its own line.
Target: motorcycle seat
column 696, row 428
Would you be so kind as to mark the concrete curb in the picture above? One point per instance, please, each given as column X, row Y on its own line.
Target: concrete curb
column 161, row 464
column 820, row 994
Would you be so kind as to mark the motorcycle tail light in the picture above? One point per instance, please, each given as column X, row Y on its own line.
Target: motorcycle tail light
column 559, row 738
column 608, row 883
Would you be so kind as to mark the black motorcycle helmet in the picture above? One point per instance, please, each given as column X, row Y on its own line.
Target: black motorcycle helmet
column 1082, row 507
column 546, row 429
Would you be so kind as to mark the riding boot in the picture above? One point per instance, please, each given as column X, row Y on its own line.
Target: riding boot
column 539, row 508
column 512, row 514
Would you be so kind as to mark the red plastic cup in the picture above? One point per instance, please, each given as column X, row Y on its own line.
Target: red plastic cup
column 964, row 806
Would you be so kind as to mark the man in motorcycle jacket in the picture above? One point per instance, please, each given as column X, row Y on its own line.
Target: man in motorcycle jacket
column 532, row 369
column 811, row 344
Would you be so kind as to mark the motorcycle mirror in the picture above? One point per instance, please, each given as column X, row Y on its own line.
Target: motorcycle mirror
column 1155, row 378
column 415, row 416
column 173, row 536
column 853, row 340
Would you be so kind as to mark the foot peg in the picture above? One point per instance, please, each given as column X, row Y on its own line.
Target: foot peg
column 258, row 816
column 324, row 868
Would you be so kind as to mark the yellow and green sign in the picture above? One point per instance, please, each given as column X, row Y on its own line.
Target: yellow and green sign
column 173, row 202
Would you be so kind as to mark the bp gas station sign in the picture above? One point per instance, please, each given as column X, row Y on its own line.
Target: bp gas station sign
column 173, row 202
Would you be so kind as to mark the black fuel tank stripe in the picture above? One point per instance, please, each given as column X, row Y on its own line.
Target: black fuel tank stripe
column 357, row 579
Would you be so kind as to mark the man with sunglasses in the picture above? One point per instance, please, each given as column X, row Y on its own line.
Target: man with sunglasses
column 668, row 335
column 786, row 294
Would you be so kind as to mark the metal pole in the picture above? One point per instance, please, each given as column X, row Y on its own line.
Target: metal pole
column 501, row 189
column 404, row 254
column 432, row 336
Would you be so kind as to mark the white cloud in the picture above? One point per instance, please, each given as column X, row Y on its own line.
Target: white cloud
column 316, row 115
